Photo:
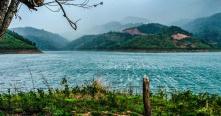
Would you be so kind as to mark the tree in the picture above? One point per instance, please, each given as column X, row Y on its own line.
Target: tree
column 9, row 8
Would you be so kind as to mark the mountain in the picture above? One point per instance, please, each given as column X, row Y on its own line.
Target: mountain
column 112, row 26
column 124, row 23
column 11, row 42
column 207, row 28
column 146, row 37
column 44, row 40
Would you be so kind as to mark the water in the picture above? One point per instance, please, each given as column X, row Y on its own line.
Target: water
column 199, row 72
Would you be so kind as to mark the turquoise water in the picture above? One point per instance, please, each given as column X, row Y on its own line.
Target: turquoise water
column 200, row 72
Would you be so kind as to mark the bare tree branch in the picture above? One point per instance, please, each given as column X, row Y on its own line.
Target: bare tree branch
column 32, row 4
column 8, row 9
column 84, row 4
column 72, row 24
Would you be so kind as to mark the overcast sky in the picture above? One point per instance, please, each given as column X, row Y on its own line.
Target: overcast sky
column 162, row 11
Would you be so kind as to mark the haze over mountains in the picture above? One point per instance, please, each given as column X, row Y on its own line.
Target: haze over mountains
column 145, row 37
column 206, row 32
column 206, row 28
column 44, row 40
column 115, row 26
column 135, row 33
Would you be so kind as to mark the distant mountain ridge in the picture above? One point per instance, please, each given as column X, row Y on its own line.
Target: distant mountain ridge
column 202, row 34
column 146, row 37
column 213, row 22
column 207, row 29
column 44, row 40
column 118, row 26
column 115, row 26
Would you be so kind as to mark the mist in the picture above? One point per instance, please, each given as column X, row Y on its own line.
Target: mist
column 160, row 11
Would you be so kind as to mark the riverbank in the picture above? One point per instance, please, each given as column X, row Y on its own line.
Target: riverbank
column 20, row 51
column 152, row 50
column 94, row 99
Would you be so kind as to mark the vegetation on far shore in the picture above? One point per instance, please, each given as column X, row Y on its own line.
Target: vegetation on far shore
column 95, row 99
column 206, row 28
column 152, row 37
column 12, row 41
column 44, row 40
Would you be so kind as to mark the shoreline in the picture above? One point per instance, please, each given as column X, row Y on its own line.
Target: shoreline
column 153, row 50
column 22, row 51
column 36, row 51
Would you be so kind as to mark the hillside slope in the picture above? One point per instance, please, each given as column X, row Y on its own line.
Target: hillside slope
column 145, row 37
column 207, row 28
column 44, row 40
column 11, row 42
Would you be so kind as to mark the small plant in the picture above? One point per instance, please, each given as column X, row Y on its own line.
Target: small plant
column 66, row 91
column 93, row 97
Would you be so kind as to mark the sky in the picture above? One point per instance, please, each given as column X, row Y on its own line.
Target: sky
column 161, row 11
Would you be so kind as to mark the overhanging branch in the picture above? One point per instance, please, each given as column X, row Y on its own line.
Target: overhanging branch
column 72, row 24
column 32, row 4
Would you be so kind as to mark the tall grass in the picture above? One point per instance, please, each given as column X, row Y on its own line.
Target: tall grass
column 95, row 99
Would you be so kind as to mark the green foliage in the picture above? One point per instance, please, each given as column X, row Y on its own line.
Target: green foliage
column 66, row 91
column 155, row 37
column 11, row 41
column 103, row 102
column 208, row 29
column 44, row 40
column 152, row 28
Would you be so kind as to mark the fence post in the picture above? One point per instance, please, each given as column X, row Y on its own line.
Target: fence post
column 146, row 96
column 73, row 113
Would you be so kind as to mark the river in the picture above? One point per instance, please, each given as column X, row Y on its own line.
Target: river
column 199, row 72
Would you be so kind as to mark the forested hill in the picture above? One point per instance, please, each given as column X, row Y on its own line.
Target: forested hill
column 11, row 42
column 44, row 40
column 207, row 29
column 145, row 37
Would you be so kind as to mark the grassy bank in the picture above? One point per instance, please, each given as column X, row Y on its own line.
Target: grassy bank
column 94, row 99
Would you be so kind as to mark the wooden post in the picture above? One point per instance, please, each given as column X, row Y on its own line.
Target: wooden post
column 146, row 96
column 73, row 113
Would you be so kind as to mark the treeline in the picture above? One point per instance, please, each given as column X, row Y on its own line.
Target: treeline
column 123, row 41
column 12, row 41
column 145, row 37
column 17, row 36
